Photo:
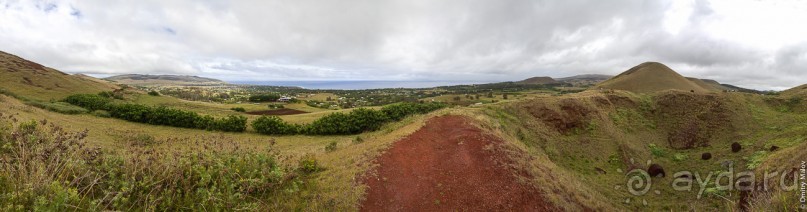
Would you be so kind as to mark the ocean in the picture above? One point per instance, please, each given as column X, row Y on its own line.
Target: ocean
column 358, row 85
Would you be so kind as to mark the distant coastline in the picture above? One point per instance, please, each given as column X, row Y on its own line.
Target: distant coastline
column 358, row 85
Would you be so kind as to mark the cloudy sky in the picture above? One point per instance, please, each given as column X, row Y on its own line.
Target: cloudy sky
column 752, row 43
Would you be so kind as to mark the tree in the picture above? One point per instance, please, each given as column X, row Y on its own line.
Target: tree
column 264, row 98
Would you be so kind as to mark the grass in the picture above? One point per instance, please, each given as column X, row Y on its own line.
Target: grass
column 332, row 187
column 565, row 163
column 616, row 139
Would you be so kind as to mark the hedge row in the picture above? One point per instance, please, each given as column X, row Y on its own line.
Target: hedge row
column 176, row 118
column 158, row 115
column 357, row 121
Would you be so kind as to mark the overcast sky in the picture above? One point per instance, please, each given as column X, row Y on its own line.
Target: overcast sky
column 751, row 43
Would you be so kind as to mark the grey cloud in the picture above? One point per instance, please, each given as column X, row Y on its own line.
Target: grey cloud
column 471, row 40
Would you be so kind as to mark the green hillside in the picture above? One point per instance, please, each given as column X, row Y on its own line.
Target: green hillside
column 37, row 82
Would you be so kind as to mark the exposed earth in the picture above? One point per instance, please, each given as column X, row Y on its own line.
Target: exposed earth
column 448, row 165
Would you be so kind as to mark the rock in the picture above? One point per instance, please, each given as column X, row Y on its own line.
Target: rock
column 774, row 148
column 656, row 170
column 706, row 156
column 736, row 147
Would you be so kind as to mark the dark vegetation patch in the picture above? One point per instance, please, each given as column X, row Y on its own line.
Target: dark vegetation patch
column 277, row 112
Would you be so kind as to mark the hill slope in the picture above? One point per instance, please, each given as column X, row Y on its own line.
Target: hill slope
column 538, row 80
column 708, row 84
column 140, row 79
column 796, row 91
column 585, row 79
column 34, row 81
column 651, row 77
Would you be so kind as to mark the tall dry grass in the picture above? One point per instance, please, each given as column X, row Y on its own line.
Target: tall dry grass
column 43, row 167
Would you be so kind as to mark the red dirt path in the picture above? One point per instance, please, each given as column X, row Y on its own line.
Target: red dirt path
column 448, row 165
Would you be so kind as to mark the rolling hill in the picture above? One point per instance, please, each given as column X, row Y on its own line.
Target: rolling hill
column 651, row 77
column 585, row 79
column 34, row 81
column 538, row 80
column 796, row 91
column 152, row 80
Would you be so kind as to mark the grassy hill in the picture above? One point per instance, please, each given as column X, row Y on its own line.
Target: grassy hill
column 798, row 91
column 37, row 82
column 651, row 77
column 538, row 80
column 585, row 79
column 151, row 80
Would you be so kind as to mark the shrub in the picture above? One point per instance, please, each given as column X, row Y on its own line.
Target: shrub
column 308, row 164
column 273, row 125
column 176, row 118
column 331, row 146
column 331, row 124
column 399, row 111
column 154, row 93
column 232, row 124
column 239, row 109
column 88, row 101
column 130, row 112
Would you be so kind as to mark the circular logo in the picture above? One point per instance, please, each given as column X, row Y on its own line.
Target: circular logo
column 639, row 182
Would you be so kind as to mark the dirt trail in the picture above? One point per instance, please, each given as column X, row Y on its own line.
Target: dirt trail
column 448, row 165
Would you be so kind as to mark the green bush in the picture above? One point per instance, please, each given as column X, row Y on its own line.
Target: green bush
column 176, row 118
column 239, row 109
column 273, row 125
column 88, row 101
column 232, row 124
column 154, row 93
column 308, row 164
column 399, row 111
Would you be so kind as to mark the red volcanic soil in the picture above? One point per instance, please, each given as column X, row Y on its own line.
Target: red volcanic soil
column 277, row 112
column 448, row 165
